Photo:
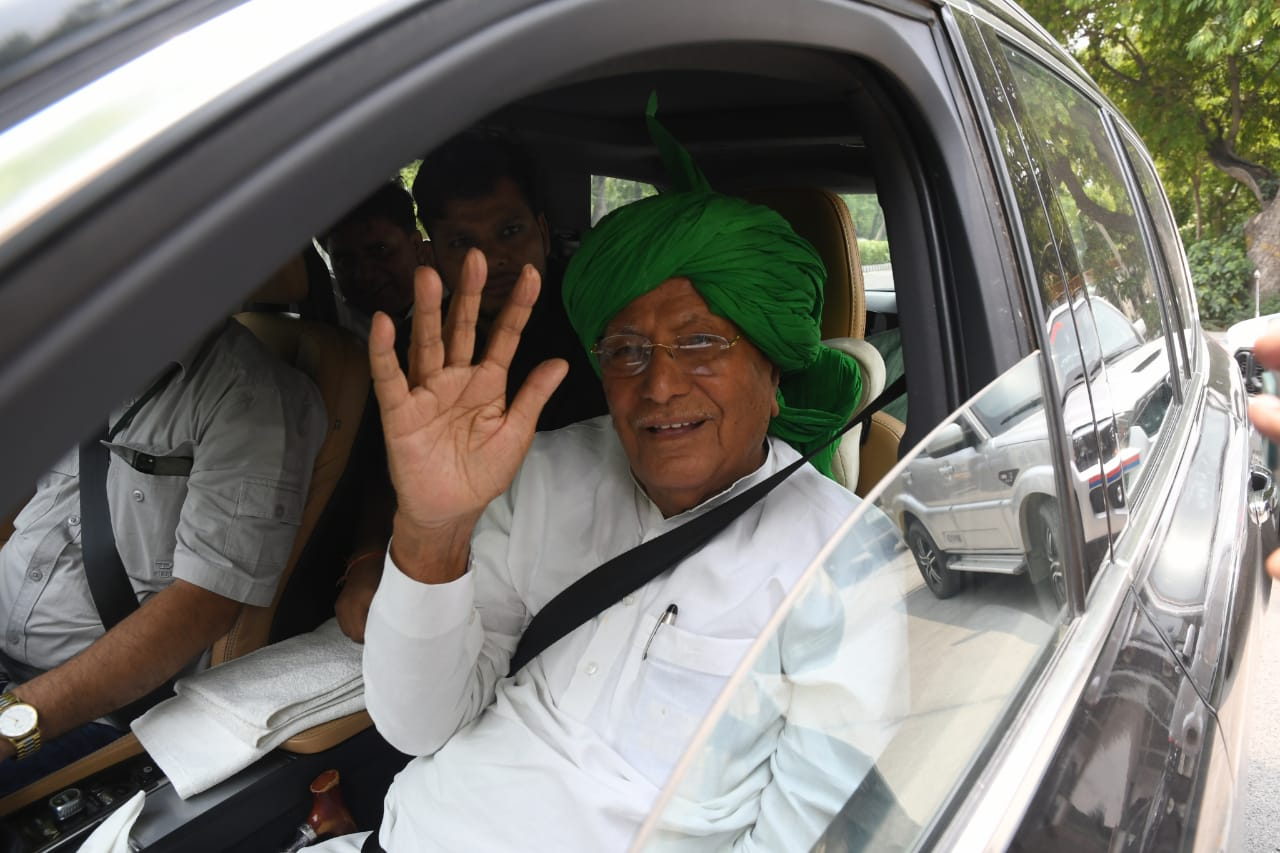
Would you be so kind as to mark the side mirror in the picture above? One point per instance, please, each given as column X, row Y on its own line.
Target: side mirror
column 947, row 440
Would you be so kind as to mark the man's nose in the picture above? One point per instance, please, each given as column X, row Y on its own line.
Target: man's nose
column 494, row 254
column 664, row 378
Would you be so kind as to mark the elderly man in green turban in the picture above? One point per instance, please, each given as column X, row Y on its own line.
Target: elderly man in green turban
column 701, row 314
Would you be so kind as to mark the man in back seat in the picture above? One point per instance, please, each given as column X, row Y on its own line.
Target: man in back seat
column 207, row 474
column 701, row 311
column 374, row 250
column 478, row 190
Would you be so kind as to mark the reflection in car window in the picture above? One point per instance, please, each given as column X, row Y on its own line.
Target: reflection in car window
column 1009, row 402
column 1183, row 302
column 914, row 661
column 1110, row 293
column 1058, row 277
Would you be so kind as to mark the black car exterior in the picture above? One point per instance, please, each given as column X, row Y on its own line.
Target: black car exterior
column 1123, row 724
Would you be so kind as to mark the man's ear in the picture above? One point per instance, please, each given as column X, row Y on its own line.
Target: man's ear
column 546, row 234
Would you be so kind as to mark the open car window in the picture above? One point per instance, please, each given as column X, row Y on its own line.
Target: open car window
column 867, row 674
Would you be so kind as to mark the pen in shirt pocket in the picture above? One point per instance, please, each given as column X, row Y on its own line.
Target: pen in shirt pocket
column 668, row 618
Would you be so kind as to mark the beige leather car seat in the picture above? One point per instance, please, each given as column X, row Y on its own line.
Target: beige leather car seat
column 821, row 217
column 335, row 360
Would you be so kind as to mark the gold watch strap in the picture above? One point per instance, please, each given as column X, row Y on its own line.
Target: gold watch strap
column 25, row 746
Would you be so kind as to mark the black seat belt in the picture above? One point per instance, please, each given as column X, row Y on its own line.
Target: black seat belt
column 113, row 594
column 609, row 583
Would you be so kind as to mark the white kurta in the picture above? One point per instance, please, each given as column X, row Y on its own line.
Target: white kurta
column 571, row 753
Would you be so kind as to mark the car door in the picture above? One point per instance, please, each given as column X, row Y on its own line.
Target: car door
column 1143, row 761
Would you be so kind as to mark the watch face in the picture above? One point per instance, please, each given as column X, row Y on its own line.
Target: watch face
column 17, row 720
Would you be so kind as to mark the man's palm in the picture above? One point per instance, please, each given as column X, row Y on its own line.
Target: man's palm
column 453, row 444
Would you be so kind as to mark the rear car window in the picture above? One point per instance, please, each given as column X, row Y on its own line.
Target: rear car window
column 609, row 193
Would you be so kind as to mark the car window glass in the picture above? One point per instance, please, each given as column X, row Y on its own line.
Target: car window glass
column 1056, row 272
column 1183, row 302
column 609, row 193
column 908, row 643
column 1129, row 374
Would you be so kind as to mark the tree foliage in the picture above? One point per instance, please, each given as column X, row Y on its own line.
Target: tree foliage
column 1218, row 267
column 1199, row 80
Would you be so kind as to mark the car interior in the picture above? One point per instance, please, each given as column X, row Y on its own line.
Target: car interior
column 801, row 136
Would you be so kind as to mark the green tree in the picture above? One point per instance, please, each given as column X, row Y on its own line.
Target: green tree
column 1200, row 80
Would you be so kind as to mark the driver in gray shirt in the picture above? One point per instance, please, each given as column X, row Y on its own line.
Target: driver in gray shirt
column 206, row 486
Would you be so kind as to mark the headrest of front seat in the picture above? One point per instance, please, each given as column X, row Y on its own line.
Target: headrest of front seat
column 821, row 217
column 286, row 286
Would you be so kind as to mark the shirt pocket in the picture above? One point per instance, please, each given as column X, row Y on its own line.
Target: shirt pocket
column 678, row 681
column 268, row 514
column 145, row 512
column 684, row 672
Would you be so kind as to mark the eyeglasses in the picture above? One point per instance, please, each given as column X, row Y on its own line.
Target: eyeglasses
column 629, row 355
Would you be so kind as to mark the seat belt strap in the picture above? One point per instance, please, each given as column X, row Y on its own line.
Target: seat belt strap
column 613, row 580
column 113, row 594
column 109, row 584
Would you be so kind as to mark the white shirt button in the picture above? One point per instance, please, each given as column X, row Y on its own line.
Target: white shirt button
column 139, row 496
column 36, row 574
column 591, row 668
column 73, row 520
column 629, row 600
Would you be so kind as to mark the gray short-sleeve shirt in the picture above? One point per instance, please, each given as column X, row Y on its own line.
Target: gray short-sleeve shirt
column 251, row 427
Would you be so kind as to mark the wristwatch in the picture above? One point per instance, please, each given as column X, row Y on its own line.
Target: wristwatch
column 20, row 724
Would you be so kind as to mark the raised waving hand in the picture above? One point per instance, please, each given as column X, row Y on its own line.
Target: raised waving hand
column 453, row 444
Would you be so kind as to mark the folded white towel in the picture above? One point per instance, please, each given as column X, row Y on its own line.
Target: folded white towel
column 259, row 694
column 112, row 835
column 224, row 719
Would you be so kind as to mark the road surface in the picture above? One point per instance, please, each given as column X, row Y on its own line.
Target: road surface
column 1262, row 803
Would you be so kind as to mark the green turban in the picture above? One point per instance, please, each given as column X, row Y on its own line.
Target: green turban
column 747, row 264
